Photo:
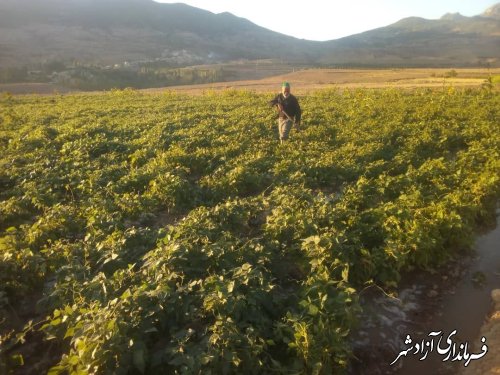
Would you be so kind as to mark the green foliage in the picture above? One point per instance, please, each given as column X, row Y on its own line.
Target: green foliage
column 172, row 234
column 451, row 73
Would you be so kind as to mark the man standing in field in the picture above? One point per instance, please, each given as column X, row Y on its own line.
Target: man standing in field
column 289, row 112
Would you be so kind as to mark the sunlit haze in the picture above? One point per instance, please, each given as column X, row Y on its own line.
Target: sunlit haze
column 321, row 20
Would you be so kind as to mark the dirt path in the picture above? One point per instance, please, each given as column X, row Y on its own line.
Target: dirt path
column 490, row 363
column 454, row 298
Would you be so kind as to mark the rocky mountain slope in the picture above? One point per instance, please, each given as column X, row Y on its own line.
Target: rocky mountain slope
column 113, row 31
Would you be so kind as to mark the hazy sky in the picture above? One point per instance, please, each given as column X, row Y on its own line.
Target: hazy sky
column 325, row 20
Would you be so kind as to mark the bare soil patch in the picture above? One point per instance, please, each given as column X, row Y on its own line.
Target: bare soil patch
column 307, row 80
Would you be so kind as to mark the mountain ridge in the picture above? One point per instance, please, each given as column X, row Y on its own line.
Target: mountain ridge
column 492, row 12
column 93, row 32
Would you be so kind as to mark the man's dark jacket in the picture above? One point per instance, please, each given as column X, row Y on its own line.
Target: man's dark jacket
column 290, row 106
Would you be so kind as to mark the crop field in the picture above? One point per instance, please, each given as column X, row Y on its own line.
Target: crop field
column 150, row 233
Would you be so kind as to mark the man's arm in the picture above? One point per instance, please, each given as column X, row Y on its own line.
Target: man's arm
column 298, row 112
column 275, row 101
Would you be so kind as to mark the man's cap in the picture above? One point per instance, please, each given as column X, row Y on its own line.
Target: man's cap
column 285, row 84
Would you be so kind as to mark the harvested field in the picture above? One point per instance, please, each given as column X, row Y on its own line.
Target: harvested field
column 306, row 80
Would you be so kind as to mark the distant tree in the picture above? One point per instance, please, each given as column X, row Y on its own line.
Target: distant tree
column 13, row 74
column 53, row 66
column 450, row 74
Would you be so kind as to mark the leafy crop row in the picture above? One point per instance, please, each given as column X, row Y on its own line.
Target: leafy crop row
column 163, row 233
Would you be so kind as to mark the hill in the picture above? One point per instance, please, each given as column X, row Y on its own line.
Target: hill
column 453, row 40
column 111, row 31
column 90, row 44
